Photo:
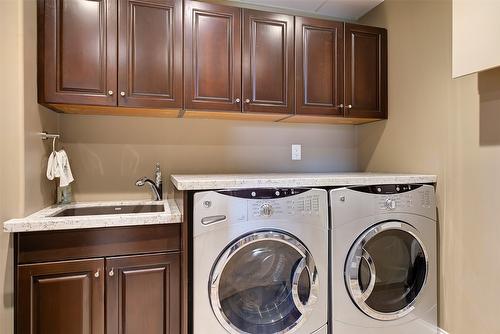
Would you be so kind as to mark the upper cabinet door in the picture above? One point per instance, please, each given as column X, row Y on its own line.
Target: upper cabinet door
column 319, row 52
column 150, row 51
column 366, row 71
column 268, row 62
column 212, row 63
column 77, row 51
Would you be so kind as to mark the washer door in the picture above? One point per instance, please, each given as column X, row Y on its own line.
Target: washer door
column 386, row 270
column 266, row 282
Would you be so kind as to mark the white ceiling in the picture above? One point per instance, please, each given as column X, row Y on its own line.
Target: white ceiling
column 343, row 9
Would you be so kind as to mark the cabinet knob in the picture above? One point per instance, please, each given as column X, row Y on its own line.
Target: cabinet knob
column 110, row 92
column 111, row 273
column 247, row 101
column 96, row 274
column 122, row 93
column 349, row 106
column 237, row 100
column 340, row 106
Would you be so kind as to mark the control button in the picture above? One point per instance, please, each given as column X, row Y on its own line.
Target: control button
column 254, row 194
column 379, row 189
column 277, row 193
column 390, row 204
column 342, row 198
column 266, row 210
column 207, row 204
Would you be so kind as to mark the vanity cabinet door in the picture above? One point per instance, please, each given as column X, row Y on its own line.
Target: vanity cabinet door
column 150, row 53
column 365, row 71
column 319, row 51
column 212, row 57
column 268, row 62
column 143, row 294
column 77, row 50
column 61, row 297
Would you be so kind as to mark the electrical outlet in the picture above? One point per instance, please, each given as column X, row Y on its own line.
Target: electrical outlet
column 296, row 152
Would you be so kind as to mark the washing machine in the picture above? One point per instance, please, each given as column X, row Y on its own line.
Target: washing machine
column 260, row 261
column 383, row 259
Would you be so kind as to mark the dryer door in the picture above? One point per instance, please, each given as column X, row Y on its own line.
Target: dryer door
column 266, row 282
column 386, row 270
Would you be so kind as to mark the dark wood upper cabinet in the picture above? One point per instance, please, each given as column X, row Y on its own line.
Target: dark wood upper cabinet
column 61, row 298
column 150, row 53
column 77, row 51
column 268, row 62
column 143, row 294
column 212, row 63
column 366, row 71
column 319, row 52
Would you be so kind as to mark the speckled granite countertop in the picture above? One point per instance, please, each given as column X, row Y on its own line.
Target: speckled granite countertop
column 44, row 221
column 232, row 181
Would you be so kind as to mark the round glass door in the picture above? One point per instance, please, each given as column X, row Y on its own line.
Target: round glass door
column 264, row 283
column 386, row 270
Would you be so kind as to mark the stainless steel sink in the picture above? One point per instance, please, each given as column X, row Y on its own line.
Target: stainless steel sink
column 110, row 210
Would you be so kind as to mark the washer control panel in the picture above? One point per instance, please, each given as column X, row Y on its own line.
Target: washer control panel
column 306, row 204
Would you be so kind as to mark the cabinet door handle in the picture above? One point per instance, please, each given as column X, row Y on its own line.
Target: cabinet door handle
column 111, row 273
column 97, row 273
column 110, row 93
column 349, row 106
column 237, row 100
column 122, row 93
column 247, row 101
column 340, row 106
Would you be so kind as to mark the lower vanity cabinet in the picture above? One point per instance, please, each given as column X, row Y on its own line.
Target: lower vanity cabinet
column 61, row 297
column 143, row 294
column 123, row 280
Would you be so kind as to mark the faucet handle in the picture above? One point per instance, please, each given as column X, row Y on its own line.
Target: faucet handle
column 158, row 174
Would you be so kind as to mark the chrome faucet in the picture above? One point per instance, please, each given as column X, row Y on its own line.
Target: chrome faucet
column 156, row 186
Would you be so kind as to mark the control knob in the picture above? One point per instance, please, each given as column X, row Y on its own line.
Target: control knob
column 266, row 210
column 390, row 204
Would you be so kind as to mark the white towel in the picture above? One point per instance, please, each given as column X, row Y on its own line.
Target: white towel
column 58, row 166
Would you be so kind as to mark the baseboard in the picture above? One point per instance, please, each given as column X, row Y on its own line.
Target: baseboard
column 442, row 331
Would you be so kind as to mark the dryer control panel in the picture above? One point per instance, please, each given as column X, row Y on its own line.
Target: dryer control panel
column 395, row 198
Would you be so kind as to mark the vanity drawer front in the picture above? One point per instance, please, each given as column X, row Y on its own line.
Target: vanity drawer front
column 33, row 247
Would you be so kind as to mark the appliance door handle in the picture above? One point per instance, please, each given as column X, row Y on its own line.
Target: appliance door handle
column 373, row 274
column 305, row 308
column 213, row 219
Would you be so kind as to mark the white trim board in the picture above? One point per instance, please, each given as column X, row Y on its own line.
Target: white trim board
column 442, row 331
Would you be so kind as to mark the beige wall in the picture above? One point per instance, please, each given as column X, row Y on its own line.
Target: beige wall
column 108, row 154
column 22, row 154
column 11, row 141
column 476, row 28
column 450, row 128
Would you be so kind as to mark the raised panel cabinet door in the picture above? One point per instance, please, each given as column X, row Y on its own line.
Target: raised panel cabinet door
column 143, row 294
column 212, row 63
column 77, row 50
column 150, row 53
column 319, row 52
column 61, row 297
column 268, row 62
column 365, row 71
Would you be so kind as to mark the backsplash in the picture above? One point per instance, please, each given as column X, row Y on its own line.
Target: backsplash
column 108, row 154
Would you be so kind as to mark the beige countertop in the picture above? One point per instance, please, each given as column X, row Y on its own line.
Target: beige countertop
column 291, row 180
column 43, row 220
